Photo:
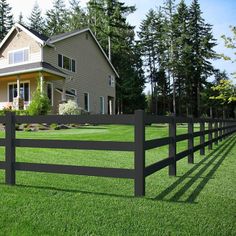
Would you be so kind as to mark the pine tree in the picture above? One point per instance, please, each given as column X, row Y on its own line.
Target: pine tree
column 202, row 42
column 6, row 18
column 20, row 19
column 169, row 10
column 56, row 18
column 181, row 57
column 77, row 17
column 111, row 15
column 36, row 20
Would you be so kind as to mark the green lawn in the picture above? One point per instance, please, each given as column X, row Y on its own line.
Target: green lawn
column 201, row 200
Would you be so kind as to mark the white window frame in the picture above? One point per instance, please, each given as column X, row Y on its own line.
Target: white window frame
column 52, row 102
column 62, row 63
column 88, row 102
column 74, row 91
column 18, row 50
column 111, row 81
column 103, row 105
column 21, row 82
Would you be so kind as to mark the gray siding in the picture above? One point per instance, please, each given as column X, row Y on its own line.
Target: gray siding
column 92, row 69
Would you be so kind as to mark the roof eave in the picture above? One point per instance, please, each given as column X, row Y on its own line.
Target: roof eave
column 17, row 25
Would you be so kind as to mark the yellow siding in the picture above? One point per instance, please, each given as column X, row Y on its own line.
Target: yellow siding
column 17, row 41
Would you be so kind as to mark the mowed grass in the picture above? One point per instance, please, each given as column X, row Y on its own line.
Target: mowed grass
column 200, row 200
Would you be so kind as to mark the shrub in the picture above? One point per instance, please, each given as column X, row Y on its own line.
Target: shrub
column 70, row 108
column 40, row 104
column 54, row 126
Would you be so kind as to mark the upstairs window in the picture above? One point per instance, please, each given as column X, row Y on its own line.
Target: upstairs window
column 111, row 81
column 66, row 63
column 18, row 56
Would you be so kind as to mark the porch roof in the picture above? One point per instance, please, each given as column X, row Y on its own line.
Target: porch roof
column 31, row 67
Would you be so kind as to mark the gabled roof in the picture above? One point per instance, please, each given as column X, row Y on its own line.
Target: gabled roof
column 44, row 40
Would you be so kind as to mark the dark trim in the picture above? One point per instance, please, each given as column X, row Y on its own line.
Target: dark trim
column 74, row 144
column 76, row 170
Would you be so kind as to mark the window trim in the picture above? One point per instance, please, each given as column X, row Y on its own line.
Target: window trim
column 21, row 82
column 75, row 91
column 62, row 62
column 103, row 106
column 88, row 110
column 18, row 50
column 112, row 81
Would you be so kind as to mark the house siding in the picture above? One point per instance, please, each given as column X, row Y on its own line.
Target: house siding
column 92, row 69
column 16, row 41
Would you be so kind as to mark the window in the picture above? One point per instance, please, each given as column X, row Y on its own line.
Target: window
column 50, row 92
column 74, row 92
column 24, row 91
column 111, row 81
column 19, row 56
column 66, row 63
column 86, row 101
column 102, row 107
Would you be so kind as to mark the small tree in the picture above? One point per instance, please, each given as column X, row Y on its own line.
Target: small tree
column 226, row 93
column 40, row 104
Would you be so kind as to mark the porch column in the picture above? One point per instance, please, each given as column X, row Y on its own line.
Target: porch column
column 18, row 86
column 41, row 79
column 63, row 96
column 110, row 107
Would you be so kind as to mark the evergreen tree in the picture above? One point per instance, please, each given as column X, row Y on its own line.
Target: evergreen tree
column 6, row 18
column 57, row 18
column 77, row 17
column 169, row 10
column 111, row 15
column 181, row 57
column 202, row 43
column 36, row 20
column 20, row 19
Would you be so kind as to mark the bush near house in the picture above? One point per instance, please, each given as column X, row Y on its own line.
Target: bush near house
column 40, row 104
column 70, row 108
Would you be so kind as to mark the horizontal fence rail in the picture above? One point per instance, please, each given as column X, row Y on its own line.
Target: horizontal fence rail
column 216, row 129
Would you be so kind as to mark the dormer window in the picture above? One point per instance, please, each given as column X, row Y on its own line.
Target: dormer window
column 18, row 56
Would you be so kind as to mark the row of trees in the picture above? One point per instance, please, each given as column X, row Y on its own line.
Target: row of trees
column 173, row 52
column 177, row 46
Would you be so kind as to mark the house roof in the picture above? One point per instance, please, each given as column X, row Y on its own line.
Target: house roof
column 37, row 34
column 44, row 40
column 31, row 67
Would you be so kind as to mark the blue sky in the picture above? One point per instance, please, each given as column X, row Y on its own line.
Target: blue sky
column 219, row 13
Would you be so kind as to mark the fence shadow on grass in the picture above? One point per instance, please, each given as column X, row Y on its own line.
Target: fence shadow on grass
column 207, row 166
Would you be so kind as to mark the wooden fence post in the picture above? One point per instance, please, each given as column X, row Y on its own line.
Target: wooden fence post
column 10, row 151
column 220, row 126
column 172, row 146
column 223, row 131
column 210, row 135
column 216, row 133
column 139, row 163
column 191, row 141
column 202, row 137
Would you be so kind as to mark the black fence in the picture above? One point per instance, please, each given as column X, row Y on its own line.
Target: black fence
column 217, row 130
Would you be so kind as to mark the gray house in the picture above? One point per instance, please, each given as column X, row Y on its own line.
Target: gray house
column 68, row 66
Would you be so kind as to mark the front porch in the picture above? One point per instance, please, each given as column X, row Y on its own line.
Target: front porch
column 16, row 91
